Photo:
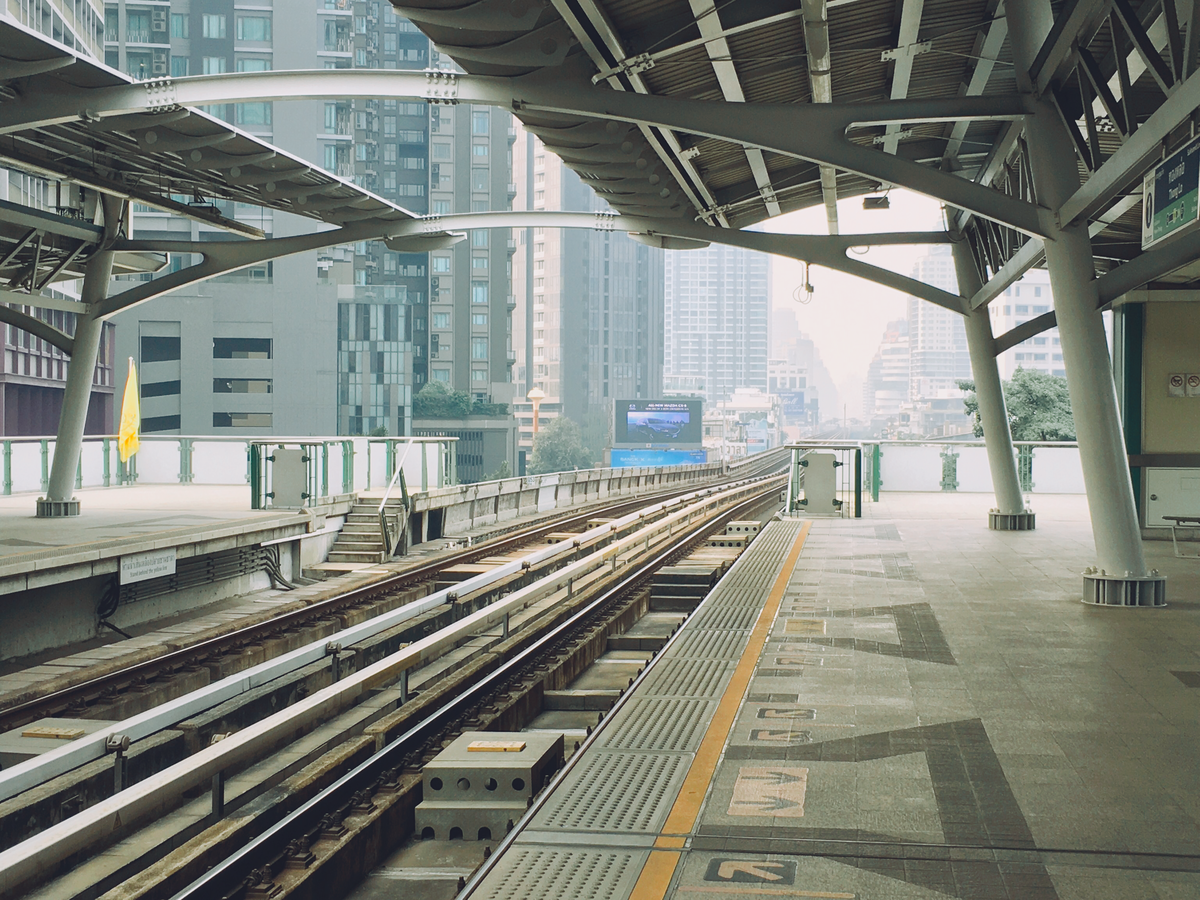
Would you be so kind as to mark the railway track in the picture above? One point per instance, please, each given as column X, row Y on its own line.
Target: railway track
column 78, row 701
column 595, row 562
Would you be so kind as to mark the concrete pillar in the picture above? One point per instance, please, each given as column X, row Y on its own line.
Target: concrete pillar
column 1121, row 577
column 80, row 373
column 1010, row 513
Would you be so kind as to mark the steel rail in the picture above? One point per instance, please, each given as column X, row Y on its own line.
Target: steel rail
column 35, row 771
column 226, row 875
column 39, row 707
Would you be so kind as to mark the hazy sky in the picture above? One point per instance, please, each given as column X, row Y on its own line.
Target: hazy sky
column 847, row 315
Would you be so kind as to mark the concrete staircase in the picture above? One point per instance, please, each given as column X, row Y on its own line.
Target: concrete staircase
column 359, row 544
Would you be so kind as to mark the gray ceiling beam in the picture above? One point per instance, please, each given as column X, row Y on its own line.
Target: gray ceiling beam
column 989, row 52
column 708, row 20
column 1056, row 58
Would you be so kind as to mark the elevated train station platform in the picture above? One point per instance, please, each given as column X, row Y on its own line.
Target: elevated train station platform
column 899, row 706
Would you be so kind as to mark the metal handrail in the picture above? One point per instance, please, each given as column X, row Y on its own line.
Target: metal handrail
column 390, row 544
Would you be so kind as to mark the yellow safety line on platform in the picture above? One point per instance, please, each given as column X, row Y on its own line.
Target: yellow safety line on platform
column 758, row 891
column 659, row 869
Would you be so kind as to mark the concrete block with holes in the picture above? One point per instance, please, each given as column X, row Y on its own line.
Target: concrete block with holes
column 483, row 780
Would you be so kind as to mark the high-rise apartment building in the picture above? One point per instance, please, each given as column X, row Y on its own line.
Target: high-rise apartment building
column 1028, row 298
column 332, row 341
column 887, row 385
column 716, row 320
column 587, row 328
column 937, row 339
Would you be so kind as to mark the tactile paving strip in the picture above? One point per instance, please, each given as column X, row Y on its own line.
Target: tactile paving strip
column 523, row 873
column 687, row 678
column 614, row 791
column 659, row 724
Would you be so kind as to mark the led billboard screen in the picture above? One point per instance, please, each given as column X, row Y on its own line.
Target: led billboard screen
column 662, row 423
column 622, row 459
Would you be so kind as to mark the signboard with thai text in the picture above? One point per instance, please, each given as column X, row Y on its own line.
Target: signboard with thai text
column 1169, row 195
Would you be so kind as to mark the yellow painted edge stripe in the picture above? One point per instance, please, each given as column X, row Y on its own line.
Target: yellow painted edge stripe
column 660, row 867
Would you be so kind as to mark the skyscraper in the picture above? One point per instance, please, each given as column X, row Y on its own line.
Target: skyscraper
column 938, row 356
column 587, row 328
column 717, row 303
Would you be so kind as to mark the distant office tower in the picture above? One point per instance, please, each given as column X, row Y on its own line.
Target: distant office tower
column 886, row 387
column 937, row 339
column 322, row 342
column 587, row 328
column 717, row 302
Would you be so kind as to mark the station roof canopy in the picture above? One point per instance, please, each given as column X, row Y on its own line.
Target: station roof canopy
column 800, row 52
column 178, row 159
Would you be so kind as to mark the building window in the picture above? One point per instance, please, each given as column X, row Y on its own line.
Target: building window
column 241, row 420
column 479, row 238
column 241, row 348
column 253, row 113
column 479, row 122
column 159, row 349
column 214, row 65
column 160, row 423
column 214, row 25
column 179, row 66
column 479, row 375
column 441, row 264
column 479, row 292
column 441, row 151
column 253, row 64
column 441, row 320
column 479, row 179
column 479, row 318
column 442, row 375
column 160, row 389
column 479, row 262
column 479, row 150
column 479, row 348
column 253, row 28
column 179, row 25
column 241, row 385
column 441, row 207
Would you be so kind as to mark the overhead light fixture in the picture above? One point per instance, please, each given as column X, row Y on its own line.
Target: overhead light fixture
column 876, row 202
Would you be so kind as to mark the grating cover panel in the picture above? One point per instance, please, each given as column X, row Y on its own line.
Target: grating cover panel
column 727, row 618
column 686, row 678
column 615, row 792
column 709, row 645
column 577, row 874
column 659, row 724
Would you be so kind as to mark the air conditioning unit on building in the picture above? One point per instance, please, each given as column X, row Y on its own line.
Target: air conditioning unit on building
column 160, row 63
column 158, row 20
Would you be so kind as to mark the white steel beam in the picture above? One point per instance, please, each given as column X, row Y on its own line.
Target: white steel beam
column 906, row 50
column 709, row 22
column 820, row 77
column 668, row 148
column 984, row 66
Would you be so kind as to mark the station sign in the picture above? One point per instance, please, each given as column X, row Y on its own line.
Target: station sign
column 143, row 566
column 1169, row 195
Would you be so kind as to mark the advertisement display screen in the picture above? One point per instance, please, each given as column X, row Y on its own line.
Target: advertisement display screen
column 664, row 423
column 622, row 459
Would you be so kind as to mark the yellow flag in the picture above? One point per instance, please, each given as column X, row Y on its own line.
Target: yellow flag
column 131, row 417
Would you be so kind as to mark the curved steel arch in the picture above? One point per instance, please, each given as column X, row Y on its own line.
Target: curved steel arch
column 434, row 232
column 815, row 131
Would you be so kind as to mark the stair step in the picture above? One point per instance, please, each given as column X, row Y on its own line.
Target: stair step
column 338, row 556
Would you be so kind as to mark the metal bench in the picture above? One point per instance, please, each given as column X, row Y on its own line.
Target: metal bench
column 1176, row 522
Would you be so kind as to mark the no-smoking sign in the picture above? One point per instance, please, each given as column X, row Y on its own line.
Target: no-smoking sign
column 1183, row 384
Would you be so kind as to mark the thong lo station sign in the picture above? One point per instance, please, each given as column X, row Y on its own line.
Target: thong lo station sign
column 1169, row 195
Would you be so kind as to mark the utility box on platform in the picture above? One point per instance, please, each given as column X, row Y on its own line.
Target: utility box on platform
column 819, row 485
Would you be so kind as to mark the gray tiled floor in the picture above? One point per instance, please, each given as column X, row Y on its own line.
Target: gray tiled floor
column 963, row 695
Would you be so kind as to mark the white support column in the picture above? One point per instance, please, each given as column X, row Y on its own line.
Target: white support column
column 89, row 330
column 1010, row 513
column 1121, row 577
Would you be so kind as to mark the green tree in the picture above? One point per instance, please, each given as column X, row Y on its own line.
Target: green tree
column 436, row 401
column 1039, row 407
column 558, row 447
